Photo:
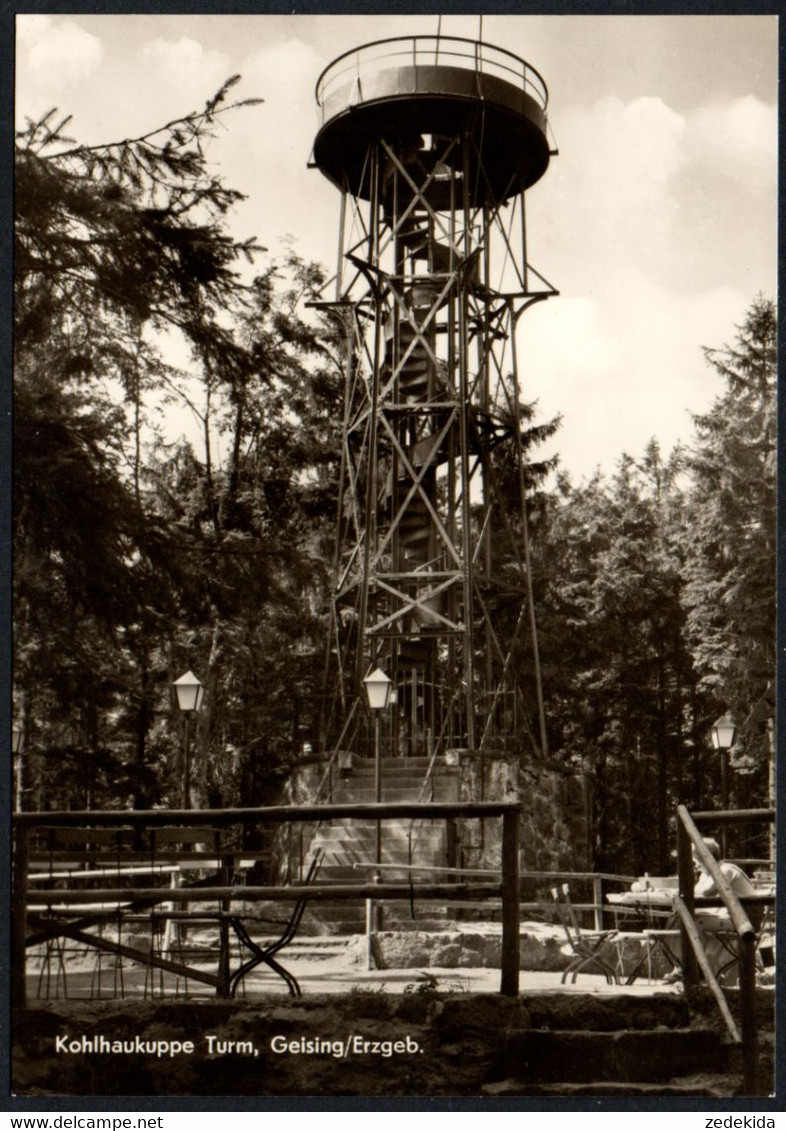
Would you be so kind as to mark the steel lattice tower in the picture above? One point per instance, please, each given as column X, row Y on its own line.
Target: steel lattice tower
column 432, row 142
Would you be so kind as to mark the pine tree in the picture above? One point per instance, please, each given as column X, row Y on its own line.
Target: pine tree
column 112, row 243
column 615, row 669
column 731, row 547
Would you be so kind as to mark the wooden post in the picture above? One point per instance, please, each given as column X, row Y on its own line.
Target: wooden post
column 597, row 899
column 227, row 868
column 19, row 918
column 370, row 963
column 750, row 1053
column 772, row 794
column 510, row 903
column 690, row 969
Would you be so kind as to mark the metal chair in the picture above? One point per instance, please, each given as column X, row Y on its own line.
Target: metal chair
column 98, row 854
column 590, row 948
column 192, row 849
column 728, row 958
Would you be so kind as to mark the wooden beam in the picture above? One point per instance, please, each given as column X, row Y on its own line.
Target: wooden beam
column 268, row 815
column 57, row 898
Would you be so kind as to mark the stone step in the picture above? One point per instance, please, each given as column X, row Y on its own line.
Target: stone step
column 401, row 825
column 419, row 763
column 348, row 841
column 394, row 839
column 396, row 774
column 356, row 925
column 402, row 769
column 353, row 823
column 541, row 1057
column 366, row 795
column 359, row 855
column 343, row 873
column 365, row 859
column 318, row 948
column 363, row 854
column 393, row 834
column 365, row 783
column 365, row 835
column 390, row 831
column 607, row 1013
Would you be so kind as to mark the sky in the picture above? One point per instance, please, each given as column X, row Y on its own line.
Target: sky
column 656, row 222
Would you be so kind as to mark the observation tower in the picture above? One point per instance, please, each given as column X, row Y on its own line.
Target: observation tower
column 432, row 142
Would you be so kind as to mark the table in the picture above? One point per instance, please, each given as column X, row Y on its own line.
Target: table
column 650, row 905
column 656, row 898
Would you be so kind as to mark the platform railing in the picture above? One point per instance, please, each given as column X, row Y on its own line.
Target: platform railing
column 430, row 50
column 504, row 886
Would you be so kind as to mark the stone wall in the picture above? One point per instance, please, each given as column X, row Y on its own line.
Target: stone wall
column 541, row 948
column 553, row 825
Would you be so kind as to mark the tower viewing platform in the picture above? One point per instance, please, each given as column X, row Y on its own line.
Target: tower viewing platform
column 437, row 85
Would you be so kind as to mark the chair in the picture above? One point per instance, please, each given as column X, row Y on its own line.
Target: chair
column 761, row 918
column 766, row 944
column 266, row 952
column 69, row 850
column 662, row 944
column 169, row 925
column 590, row 948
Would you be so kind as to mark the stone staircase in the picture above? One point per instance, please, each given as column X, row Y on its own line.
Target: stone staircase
column 585, row 1046
column 349, row 843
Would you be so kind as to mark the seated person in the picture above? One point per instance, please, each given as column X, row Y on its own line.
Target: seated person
column 705, row 885
column 712, row 920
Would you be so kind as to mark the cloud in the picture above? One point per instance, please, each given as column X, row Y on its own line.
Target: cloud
column 737, row 140
column 53, row 55
column 285, row 76
column 568, row 360
column 658, row 227
column 625, row 368
column 611, row 178
column 60, row 63
column 265, row 153
column 573, row 344
column 185, row 60
column 182, row 72
column 687, row 198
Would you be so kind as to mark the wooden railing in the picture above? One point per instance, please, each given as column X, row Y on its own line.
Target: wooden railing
column 504, row 886
column 689, row 841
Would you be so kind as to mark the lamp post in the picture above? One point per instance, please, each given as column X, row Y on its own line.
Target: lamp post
column 190, row 693
column 17, row 743
column 378, row 688
column 723, row 733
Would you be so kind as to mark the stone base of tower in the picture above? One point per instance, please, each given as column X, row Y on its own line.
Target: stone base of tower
column 554, row 823
column 553, row 833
